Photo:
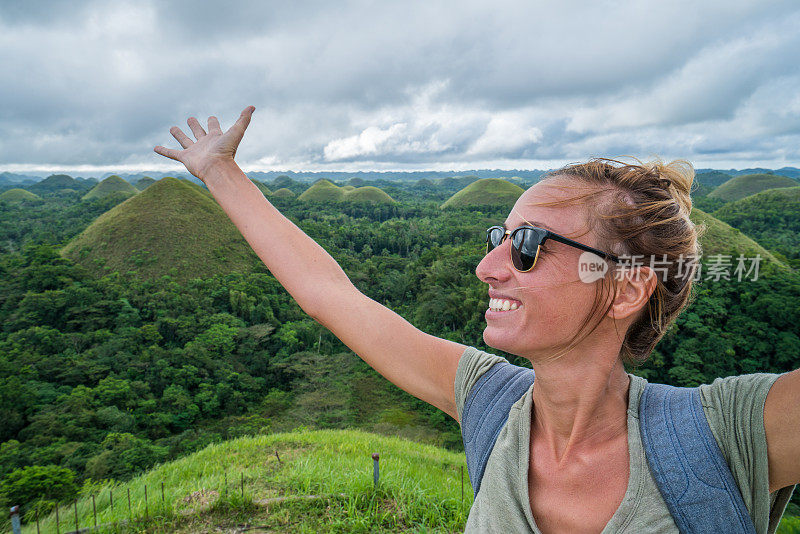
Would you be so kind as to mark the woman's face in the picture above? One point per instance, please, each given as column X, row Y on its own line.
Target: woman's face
column 551, row 300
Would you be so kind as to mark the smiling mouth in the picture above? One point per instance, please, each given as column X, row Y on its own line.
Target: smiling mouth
column 503, row 305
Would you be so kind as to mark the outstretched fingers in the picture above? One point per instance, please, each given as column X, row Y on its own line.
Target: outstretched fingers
column 213, row 125
column 181, row 137
column 171, row 153
column 197, row 130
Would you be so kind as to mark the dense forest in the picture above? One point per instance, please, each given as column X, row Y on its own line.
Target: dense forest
column 104, row 377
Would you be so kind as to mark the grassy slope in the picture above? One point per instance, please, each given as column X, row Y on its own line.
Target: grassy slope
column 488, row 191
column 172, row 223
column 721, row 238
column 326, row 191
column 322, row 191
column 367, row 194
column 263, row 188
column 110, row 186
column 419, row 491
column 420, row 487
column 145, row 182
column 17, row 195
column 772, row 217
column 750, row 184
column 283, row 192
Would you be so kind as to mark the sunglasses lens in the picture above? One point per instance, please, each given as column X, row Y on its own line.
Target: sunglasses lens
column 494, row 237
column 524, row 248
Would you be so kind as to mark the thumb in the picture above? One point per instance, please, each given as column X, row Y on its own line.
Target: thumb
column 241, row 124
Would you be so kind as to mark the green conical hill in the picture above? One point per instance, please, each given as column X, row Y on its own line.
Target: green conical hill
column 348, row 187
column 18, row 195
column 721, row 238
column 171, row 224
column 325, row 191
column 750, row 184
column 322, row 191
column 262, row 187
column 368, row 195
column 283, row 193
column 144, row 183
column 55, row 182
column 113, row 185
column 771, row 217
column 198, row 187
column 300, row 481
column 486, row 192
column 712, row 178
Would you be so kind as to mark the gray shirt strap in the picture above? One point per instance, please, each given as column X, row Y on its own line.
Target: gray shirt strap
column 486, row 412
column 687, row 464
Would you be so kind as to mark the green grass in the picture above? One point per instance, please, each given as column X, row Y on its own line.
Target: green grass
column 419, row 489
column 18, row 195
column 173, row 227
column 326, row 191
column 111, row 186
column 283, row 192
column 263, row 188
column 771, row 217
column 144, row 183
column 750, row 184
column 721, row 238
column 486, row 192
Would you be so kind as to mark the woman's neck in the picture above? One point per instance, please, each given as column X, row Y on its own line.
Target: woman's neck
column 580, row 402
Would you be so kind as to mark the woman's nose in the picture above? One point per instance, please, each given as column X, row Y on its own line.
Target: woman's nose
column 496, row 265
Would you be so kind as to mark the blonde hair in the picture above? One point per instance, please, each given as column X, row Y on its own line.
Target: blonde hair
column 641, row 210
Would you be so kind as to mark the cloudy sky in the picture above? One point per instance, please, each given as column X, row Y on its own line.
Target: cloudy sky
column 93, row 86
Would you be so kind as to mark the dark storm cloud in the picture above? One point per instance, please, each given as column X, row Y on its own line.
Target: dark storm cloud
column 399, row 83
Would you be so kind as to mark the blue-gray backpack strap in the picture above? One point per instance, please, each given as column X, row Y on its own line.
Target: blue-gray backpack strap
column 687, row 464
column 486, row 411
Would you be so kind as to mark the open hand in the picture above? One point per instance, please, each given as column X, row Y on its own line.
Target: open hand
column 211, row 148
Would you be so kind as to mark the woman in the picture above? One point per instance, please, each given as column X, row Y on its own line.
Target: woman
column 570, row 457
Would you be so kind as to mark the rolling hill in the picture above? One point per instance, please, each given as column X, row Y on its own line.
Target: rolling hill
column 367, row 195
column 283, row 193
column 771, row 217
column 486, row 192
column 721, row 238
column 144, row 183
column 262, row 187
column 300, row 481
column 18, row 195
column 326, row 191
column 170, row 225
column 322, row 191
column 55, row 182
column 113, row 185
column 749, row 184
column 712, row 179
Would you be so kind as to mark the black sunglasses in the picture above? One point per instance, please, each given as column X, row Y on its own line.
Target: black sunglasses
column 526, row 242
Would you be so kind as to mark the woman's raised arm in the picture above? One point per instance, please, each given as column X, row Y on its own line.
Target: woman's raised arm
column 421, row 364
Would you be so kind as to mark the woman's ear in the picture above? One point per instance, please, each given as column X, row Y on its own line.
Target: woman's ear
column 633, row 291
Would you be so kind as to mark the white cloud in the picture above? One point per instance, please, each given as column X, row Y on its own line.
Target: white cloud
column 368, row 143
column 402, row 84
column 503, row 135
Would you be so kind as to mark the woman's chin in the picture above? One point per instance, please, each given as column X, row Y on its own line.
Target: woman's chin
column 495, row 341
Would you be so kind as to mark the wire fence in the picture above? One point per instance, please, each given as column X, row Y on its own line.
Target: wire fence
column 66, row 519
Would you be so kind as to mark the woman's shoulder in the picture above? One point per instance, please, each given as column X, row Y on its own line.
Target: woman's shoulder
column 474, row 363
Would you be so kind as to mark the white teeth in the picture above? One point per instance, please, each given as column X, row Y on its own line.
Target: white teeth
column 502, row 305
